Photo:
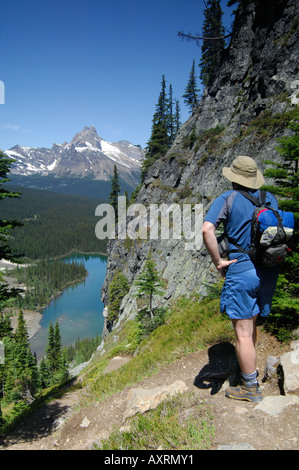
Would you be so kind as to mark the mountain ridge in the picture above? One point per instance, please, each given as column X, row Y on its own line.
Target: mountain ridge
column 86, row 155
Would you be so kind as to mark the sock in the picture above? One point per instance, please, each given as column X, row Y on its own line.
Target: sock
column 249, row 379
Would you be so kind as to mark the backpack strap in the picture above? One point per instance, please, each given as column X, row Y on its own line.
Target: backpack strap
column 260, row 201
column 256, row 201
column 262, row 197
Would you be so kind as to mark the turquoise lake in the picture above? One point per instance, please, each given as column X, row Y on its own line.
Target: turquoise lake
column 78, row 308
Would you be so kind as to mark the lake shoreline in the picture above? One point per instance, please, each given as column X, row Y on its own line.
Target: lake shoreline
column 33, row 318
column 78, row 308
column 83, row 253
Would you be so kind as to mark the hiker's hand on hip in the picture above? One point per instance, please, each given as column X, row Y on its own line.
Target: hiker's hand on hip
column 223, row 265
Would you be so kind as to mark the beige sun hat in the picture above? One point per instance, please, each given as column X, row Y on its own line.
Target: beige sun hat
column 245, row 172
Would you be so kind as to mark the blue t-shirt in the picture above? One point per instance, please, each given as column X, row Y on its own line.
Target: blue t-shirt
column 235, row 212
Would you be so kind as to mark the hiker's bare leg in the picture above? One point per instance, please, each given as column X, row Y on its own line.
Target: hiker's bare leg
column 245, row 331
column 248, row 389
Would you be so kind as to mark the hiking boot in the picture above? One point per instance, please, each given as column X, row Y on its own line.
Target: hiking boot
column 245, row 392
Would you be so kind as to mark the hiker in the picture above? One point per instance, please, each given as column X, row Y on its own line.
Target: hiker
column 248, row 288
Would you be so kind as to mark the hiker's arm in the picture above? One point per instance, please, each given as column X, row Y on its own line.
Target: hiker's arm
column 211, row 243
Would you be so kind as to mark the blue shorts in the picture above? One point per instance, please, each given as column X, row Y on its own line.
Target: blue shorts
column 248, row 291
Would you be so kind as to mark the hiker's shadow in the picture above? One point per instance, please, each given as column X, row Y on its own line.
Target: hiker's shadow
column 222, row 366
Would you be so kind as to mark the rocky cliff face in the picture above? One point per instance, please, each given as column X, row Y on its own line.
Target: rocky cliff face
column 251, row 102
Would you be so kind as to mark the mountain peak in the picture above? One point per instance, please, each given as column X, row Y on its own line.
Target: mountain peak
column 89, row 130
column 88, row 134
column 87, row 155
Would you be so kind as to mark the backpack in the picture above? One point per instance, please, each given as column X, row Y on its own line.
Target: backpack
column 270, row 230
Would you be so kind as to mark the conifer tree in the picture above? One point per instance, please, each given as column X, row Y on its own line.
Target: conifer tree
column 44, row 372
column 5, row 229
column 191, row 91
column 149, row 283
column 32, row 376
column 63, row 367
column 115, row 189
column 177, row 119
column 57, row 343
column 118, row 288
column 55, row 362
column 5, row 325
column 127, row 198
column 159, row 141
column 213, row 41
column 50, row 349
column 170, row 116
column 21, row 378
column 21, row 337
column 163, row 129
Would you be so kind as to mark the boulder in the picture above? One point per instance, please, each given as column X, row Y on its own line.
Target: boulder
column 140, row 400
column 274, row 405
column 290, row 367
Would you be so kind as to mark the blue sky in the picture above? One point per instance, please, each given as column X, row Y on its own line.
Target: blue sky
column 67, row 64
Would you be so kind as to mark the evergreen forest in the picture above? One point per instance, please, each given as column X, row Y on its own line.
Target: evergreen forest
column 52, row 224
column 21, row 378
column 43, row 280
column 82, row 350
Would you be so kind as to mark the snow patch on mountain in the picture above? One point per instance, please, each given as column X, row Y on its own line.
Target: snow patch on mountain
column 86, row 155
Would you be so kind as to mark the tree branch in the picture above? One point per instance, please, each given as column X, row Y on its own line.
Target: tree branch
column 198, row 38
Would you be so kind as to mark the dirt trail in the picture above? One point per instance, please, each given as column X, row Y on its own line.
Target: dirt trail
column 58, row 426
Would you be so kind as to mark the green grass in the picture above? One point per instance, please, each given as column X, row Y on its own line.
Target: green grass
column 191, row 325
column 180, row 423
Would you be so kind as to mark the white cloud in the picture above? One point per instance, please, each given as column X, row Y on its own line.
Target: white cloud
column 14, row 127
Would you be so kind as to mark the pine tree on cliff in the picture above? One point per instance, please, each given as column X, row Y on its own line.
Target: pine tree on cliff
column 170, row 116
column 118, row 288
column 213, row 41
column 191, row 92
column 158, row 142
column 115, row 189
column 177, row 118
column 165, row 125
column 149, row 283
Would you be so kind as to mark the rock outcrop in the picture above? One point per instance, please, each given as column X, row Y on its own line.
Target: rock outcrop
column 290, row 369
column 244, row 112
